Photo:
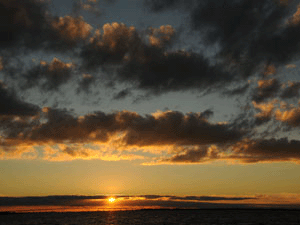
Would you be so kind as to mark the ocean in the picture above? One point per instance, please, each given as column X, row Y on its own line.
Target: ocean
column 158, row 216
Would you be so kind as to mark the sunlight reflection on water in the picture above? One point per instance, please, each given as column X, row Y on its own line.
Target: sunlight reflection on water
column 177, row 216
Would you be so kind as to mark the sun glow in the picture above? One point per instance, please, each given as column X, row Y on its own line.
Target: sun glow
column 111, row 200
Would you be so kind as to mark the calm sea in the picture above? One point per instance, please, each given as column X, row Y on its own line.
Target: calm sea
column 175, row 216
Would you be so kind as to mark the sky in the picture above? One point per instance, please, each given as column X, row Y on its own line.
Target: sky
column 161, row 103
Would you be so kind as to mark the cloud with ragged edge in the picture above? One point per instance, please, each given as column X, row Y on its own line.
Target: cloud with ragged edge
column 251, row 34
column 12, row 106
column 121, row 130
column 52, row 75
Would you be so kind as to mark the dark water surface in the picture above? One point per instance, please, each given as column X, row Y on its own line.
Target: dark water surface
column 175, row 216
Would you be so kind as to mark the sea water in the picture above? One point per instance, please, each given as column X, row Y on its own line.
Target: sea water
column 175, row 216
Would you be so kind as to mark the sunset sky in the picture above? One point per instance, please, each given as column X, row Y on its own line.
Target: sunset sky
column 173, row 101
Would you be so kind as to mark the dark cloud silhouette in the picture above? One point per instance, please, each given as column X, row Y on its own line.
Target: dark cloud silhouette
column 190, row 156
column 245, row 151
column 237, row 91
column 116, row 41
column 291, row 90
column 210, row 198
column 122, row 94
column 85, row 83
column 77, row 200
column 249, row 31
column 48, row 76
column 158, row 6
column 162, row 72
column 266, row 89
column 30, row 24
column 148, row 66
column 21, row 21
column 159, row 129
column 273, row 149
column 11, row 105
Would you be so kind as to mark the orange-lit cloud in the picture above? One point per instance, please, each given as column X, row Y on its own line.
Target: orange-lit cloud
column 266, row 111
column 295, row 20
column 266, row 89
column 290, row 116
column 161, row 36
column 124, row 130
column 72, row 29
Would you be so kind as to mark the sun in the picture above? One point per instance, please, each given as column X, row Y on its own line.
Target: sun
column 112, row 200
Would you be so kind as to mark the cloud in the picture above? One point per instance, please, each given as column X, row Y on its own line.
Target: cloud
column 158, row 6
column 270, row 150
column 30, row 24
column 237, row 91
column 89, row 5
column 64, row 203
column 11, row 105
column 245, row 151
column 122, row 94
column 48, row 76
column 148, row 66
column 211, row 198
column 165, row 128
column 21, row 20
column 85, row 83
column 266, row 111
column 290, row 116
column 161, row 36
column 194, row 155
column 121, row 130
column 291, row 90
column 266, row 89
column 161, row 72
column 251, row 32
column 111, row 46
column 71, row 30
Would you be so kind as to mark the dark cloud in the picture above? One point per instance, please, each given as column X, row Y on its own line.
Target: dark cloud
column 266, row 89
column 249, row 31
column 238, row 91
column 190, row 156
column 148, row 66
column 80, row 200
column 85, row 83
column 48, row 76
column 291, row 90
column 162, row 72
column 158, row 6
column 30, row 24
column 60, row 126
column 122, row 94
column 281, row 149
column 116, row 41
column 11, row 105
column 21, row 20
column 47, row 200
column 246, row 151
column 210, row 198
column 159, row 129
